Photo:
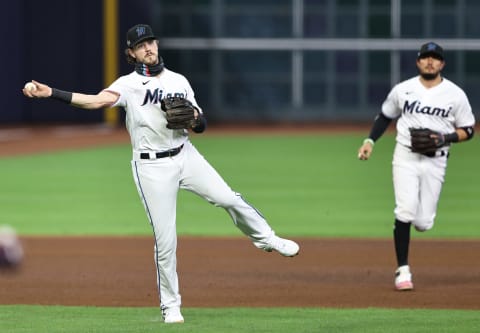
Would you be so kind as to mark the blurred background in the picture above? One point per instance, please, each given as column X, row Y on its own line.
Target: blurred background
column 262, row 61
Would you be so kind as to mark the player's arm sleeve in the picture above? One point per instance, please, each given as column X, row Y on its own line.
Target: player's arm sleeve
column 465, row 120
column 384, row 118
column 190, row 95
column 201, row 121
column 380, row 125
column 119, row 90
column 469, row 131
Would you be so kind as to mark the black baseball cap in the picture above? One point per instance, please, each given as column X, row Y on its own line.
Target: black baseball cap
column 138, row 34
column 431, row 48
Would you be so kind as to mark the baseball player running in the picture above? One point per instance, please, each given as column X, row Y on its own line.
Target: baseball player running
column 432, row 114
column 160, row 111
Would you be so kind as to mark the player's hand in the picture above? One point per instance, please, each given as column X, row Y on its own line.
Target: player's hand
column 439, row 139
column 41, row 90
column 365, row 151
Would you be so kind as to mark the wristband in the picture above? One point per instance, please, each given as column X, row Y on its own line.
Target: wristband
column 370, row 141
column 452, row 137
column 64, row 96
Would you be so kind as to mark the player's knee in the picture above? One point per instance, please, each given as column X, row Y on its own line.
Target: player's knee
column 423, row 225
column 229, row 200
column 404, row 216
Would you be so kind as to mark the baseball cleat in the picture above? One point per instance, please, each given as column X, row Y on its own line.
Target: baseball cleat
column 172, row 316
column 285, row 247
column 403, row 278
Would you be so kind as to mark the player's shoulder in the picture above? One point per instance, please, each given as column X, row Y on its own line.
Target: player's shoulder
column 409, row 83
column 449, row 88
column 405, row 87
column 129, row 79
column 450, row 84
column 167, row 73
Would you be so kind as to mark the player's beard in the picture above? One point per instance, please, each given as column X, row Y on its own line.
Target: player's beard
column 151, row 60
column 429, row 76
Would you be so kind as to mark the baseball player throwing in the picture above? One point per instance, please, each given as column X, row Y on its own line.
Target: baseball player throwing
column 432, row 114
column 160, row 111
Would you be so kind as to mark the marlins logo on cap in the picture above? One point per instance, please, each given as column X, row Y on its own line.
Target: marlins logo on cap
column 432, row 49
column 138, row 34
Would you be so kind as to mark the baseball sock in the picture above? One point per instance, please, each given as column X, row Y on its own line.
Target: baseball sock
column 401, row 237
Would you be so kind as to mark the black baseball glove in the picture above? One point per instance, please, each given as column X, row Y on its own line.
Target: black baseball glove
column 180, row 112
column 425, row 141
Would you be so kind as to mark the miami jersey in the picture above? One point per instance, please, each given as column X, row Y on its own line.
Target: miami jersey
column 141, row 97
column 441, row 108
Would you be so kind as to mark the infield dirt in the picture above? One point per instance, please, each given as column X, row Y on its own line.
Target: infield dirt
column 219, row 272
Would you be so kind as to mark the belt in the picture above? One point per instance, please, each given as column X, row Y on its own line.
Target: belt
column 162, row 154
column 437, row 153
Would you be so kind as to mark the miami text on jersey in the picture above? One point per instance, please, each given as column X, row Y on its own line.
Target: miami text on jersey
column 417, row 107
column 156, row 96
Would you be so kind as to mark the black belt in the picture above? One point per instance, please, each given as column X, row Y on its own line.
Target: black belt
column 437, row 153
column 167, row 153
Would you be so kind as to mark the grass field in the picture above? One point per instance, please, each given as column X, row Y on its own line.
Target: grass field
column 54, row 319
column 306, row 185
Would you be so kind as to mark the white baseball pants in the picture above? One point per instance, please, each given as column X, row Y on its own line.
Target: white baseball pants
column 158, row 182
column 417, row 182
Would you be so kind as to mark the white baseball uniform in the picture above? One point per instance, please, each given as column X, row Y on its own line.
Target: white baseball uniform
column 418, row 178
column 159, row 179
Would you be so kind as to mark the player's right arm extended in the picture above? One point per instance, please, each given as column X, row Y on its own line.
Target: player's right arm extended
column 102, row 99
column 83, row 101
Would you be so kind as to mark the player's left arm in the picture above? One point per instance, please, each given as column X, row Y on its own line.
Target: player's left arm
column 200, row 123
column 464, row 121
column 460, row 134
column 463, row 134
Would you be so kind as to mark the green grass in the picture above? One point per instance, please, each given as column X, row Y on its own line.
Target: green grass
column 52, row 319
column 305, row 185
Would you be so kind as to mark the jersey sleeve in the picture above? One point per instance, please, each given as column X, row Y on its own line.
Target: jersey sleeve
column 190, row 95
column 464, row 116
column 120, row 89
column 390, row 106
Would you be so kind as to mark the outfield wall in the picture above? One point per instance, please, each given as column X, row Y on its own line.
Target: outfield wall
column 248, row 61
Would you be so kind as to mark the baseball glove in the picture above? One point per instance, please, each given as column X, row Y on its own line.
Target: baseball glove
column 425, row 141
column 180, row 112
